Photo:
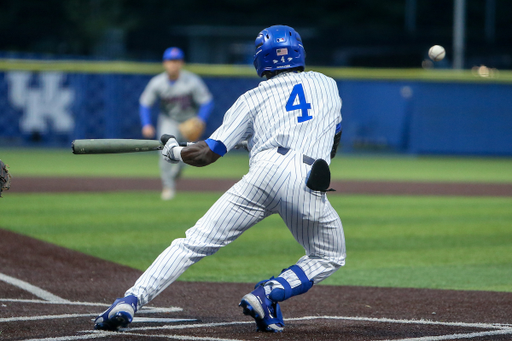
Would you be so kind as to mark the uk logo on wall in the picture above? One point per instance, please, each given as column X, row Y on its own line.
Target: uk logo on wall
column 44, row 101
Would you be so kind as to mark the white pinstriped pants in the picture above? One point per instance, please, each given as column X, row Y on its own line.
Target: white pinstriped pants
column 275, row 184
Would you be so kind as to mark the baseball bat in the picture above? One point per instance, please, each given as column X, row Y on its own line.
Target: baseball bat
column 109, row 146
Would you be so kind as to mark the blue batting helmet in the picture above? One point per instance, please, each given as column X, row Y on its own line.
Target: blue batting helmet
column 173, row 53
column 278, row 47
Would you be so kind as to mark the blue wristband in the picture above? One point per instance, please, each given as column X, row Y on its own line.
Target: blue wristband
column 217, row 147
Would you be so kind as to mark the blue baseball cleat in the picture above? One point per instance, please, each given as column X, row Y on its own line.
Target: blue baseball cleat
column 265, row 312
column 119, row 314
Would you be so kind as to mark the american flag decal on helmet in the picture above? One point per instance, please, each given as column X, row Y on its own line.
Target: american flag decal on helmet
column 282, row 52
column 279, row 40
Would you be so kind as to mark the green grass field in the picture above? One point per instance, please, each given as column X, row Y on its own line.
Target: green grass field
column 393, row 241
column 61, row 162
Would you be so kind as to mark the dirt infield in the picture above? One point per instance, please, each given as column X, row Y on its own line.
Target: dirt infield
column 51, row 293
column 27, row 184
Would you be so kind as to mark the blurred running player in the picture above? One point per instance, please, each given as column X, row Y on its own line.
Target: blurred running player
column 184, row 101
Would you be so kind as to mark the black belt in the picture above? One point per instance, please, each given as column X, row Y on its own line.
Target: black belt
column 306, row 159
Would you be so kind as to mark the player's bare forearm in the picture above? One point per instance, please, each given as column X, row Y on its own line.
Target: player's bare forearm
column 199, row 155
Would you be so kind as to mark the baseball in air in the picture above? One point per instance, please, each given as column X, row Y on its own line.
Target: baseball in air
column 436, row 53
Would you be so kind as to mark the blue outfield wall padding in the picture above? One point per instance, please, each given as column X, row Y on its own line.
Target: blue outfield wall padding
column 374, row 113
column 409, row 116
column 463, row 119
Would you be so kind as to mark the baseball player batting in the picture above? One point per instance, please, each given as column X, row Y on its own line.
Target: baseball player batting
column 292, row 125
column 185, row 105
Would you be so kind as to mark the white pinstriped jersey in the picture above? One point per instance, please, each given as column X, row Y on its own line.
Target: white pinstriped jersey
column 299, row 111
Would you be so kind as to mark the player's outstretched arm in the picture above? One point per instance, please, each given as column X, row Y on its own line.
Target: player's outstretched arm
column 199, row 154
column 196, row 154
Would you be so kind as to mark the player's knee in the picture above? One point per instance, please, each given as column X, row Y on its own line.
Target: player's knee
column 195, row 248
column 329, row 268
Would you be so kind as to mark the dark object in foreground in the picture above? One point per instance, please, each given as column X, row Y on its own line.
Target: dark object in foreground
column 5, row 178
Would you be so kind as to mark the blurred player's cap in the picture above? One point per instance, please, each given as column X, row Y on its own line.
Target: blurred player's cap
column 173, row 53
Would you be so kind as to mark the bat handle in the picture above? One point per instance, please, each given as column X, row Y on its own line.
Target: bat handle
column 165, row 137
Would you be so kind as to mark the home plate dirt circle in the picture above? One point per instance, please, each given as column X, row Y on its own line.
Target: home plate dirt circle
column 51, row 293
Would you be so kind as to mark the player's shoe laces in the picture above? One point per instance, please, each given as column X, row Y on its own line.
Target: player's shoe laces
column 119, row 314
column 265, row 312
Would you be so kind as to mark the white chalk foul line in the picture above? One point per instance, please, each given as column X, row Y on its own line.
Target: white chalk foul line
column 160, row 320
column 146, row 309
column 18, row 300
column 181, row 337
column 501, row 329
column 152, row 310
column 94, row 335
column 42, row 317
column 190, row 326
column 348, row 318
column 36, row 291
column 102, row 334
column 66, row 316
column 388, row 320
column 193, row 338
column 458, row 336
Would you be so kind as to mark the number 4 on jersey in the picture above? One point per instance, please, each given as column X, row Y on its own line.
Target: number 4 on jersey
column 298, row 91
